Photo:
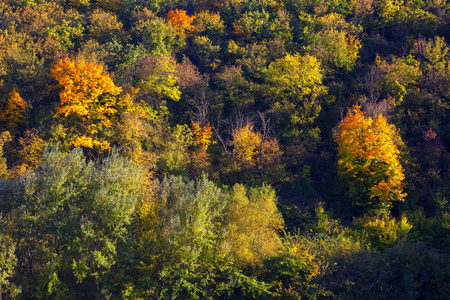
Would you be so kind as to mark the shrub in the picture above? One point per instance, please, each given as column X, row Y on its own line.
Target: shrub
column 382, row 231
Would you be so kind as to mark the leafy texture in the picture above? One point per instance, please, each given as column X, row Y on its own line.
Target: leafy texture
column 369, row 161
column 89, row 96
column 14, row 111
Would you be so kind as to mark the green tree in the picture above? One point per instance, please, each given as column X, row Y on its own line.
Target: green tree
column 7, row 266
column 181, row 252
column 296, row 85
column 156, row 34
column 158, row 78
column 5, row 136
column 397, row 78
column 66, row 219
column 433, row 55
column 336, row 43
column 336, row 49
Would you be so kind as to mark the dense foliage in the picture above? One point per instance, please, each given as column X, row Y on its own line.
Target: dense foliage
column 232, row 149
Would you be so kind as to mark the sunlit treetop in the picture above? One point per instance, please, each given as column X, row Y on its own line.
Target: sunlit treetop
column 82, row 85
column 14, row 110
column 369, row 160
column 202, row 134
column 180, row 20
column 86, row 93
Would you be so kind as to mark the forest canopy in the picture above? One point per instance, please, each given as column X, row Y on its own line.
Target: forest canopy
column 270, row 149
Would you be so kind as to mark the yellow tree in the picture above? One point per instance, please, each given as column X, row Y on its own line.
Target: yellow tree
column 202, row 134
column 245, row 145
column 254, row 152
column 89, row 96
column 14, row 111
column 29, row 152
column 296, row 84
column 253, row 223
column 369, row 161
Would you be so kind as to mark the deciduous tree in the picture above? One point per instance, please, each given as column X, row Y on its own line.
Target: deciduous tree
column 253, row 221
column 88, row 95
column 183, row 244
column 254, row 152
column 296, row 84
column 156, row 78
column 369, row 161
column 156, row 34
column 202, row 139
column 397, row 78
column 4, row 137
column 180, row 21
column 80, row 211
column 104, row 25
column 14, row 112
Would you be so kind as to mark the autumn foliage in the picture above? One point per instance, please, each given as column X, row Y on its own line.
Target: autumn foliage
column 89, row 95
column 211, row 149
column 14, row 110
column 369, row 160
column 202, row 134
column 180, row 20
column 246, row 143
column 201, row 139
column 254, row 152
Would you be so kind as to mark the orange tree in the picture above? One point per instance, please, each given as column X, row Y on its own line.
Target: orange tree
column 180, row 20
column 88, row 96
column 369, row 161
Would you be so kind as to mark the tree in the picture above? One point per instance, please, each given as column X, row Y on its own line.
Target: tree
column 180, row 21
column 104, row 25
column 88, row 95
column 296, row 84
column 245, row 145
column 156, row 78
column 369, row 161
column 397, row 78
column 202, row 134
column 22, row 68
column 156, row 34
column 5, row 136
column 7, row 264
column 181, row 252
column 66, row 219
column 14, row 111
column 209, row 24
column 336, row 49
column 335, row 43
column 174, row 155
column 29, row 152
column 433, row 54
column 253, row 222
column 254, row 152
